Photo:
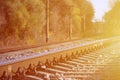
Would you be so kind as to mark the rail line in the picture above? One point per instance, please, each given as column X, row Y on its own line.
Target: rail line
column 52, row 57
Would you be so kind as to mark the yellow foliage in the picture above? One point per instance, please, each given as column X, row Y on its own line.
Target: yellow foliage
column 26, row 19
column 30, row 42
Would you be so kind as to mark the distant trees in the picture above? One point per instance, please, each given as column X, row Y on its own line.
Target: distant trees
column 78, row 13
column 59, row 19
column 112, row 18
column 25, row 20
column 86, row 13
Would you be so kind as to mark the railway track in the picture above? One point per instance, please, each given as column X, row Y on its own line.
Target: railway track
column 80, row 63
column 11, row 49
column 64, row 68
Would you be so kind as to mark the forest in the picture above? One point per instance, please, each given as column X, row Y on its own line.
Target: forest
column 112, row 18
column 23, row 22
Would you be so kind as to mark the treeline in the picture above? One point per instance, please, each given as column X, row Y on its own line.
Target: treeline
column 112, row 21
column 24, row 21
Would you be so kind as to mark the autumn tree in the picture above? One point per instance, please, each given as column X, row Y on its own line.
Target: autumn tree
column 85, row 15
column 64, row 13
column 25, row 20
column 112, row 20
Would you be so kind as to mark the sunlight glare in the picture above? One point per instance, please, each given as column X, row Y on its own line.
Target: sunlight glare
column 100, row 6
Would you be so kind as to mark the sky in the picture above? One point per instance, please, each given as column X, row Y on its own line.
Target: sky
column 100, row 6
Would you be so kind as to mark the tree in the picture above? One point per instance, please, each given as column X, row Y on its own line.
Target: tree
column 112, row 20
column 25, row 20
column 85, row 15
column 64, row 10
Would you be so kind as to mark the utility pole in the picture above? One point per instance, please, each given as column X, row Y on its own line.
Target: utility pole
column 84, row 27
column 47, row 21
column 70, row 23
column 84, row 20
